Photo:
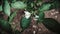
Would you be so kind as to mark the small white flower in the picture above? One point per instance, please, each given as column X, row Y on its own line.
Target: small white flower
column 27, row 14
column 36, row 17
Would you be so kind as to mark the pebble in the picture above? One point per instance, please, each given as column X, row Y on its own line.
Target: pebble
column 55, row 16
column 34, row 26
column 34, row 32
column 39, row 29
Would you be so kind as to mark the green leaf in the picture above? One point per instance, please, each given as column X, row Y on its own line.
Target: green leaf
column 13, row 0
column 5, row 25
column 25, row 23
column 18, row 5
column 52, row 24
column 12, row 16
column 56, row 4
column 45, row 7
column 41, row 16
column 17, row 32
column 7, row 8
column 0, row 7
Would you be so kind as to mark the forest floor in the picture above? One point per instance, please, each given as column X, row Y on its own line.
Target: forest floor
column 35, row 29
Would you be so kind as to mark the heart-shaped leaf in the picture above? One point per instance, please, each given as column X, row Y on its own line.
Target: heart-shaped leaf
column 13, row 0
column 18, row 5
column 25, row 23
column 5, row 25
column 17, row 32
column 12, row 16
column 45, row 7
column 41, row 16
column 0, row 7
column 56, row 4
column 52, row 24
column 6, row 8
